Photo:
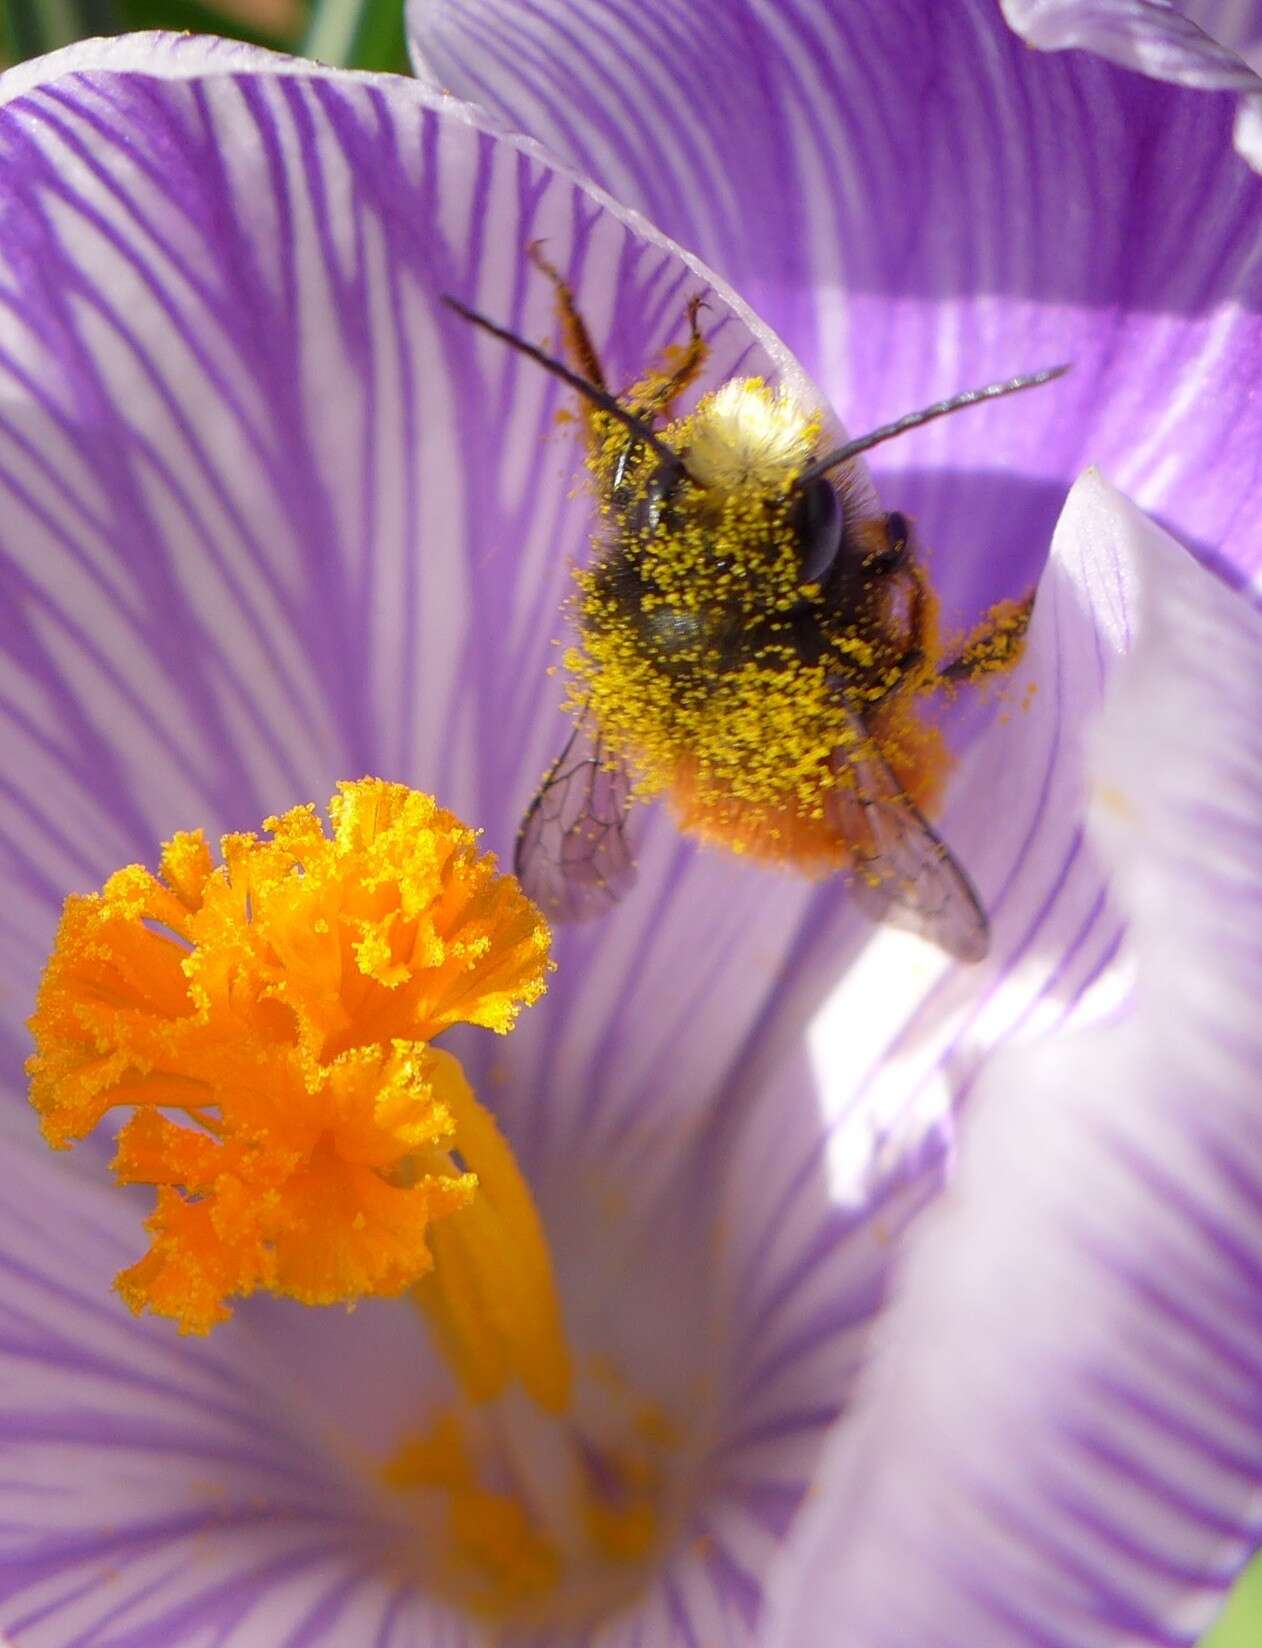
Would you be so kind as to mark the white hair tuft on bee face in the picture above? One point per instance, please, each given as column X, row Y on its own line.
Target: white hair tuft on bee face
column 747, row 434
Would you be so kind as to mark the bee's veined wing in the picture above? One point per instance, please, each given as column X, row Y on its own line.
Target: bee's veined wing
column 903, row 873
column 572, row 855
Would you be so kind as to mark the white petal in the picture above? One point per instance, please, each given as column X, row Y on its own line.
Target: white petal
column 273, row 516
column 158, row 1491
column 918, row 203
column 1057, row 1441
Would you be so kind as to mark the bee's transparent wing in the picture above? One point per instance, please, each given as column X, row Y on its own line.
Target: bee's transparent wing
column 903, row 873
column 573, row 856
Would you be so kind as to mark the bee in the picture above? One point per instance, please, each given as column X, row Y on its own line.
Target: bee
column 758, row 641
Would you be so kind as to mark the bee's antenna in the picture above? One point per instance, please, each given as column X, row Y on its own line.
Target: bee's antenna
column 913, row 420
column 598, row 397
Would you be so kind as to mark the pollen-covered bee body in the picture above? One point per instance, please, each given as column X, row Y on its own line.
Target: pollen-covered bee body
column 758, row 642
column 735, row 629
column 856, row 620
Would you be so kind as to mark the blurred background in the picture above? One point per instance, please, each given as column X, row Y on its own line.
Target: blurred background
column 359, row 34
column 1241, row 1625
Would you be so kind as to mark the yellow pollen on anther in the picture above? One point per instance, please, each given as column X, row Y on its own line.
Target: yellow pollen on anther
column 268, row 1021
column 495, row 1559
column 516, row 1535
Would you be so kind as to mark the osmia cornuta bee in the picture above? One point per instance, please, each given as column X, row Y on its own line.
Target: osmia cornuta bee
column 758, row 641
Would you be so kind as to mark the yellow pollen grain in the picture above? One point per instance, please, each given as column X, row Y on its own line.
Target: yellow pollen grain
column 762, row 733
column 996, row 645
column 660, row 680
column 267, row 1021
column 719, row 676
column 496, row 1560
column 1110, row 798
column 492, row 1547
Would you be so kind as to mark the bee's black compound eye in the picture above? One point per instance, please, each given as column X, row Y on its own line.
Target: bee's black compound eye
column 817, row 516
column 897, row 534
column 649, row 512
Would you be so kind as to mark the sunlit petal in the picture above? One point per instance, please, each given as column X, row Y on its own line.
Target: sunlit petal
column 155, row 1492
column 1212, row 45
column 1058, row 1435
column 272, row 516
column 919, row 203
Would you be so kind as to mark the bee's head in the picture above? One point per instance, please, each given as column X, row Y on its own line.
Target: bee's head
column 818, row 519
column 722, row 507
column 745, row 463
column 732, row 500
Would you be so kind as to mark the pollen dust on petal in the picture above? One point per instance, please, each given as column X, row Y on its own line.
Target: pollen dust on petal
column 267, row 1019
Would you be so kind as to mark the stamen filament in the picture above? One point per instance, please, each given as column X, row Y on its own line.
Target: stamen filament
column 268, row 1021
column 491, row 1298
column 543, row 1458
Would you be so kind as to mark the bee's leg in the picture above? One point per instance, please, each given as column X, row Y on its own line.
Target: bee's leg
column 995, row 646
column 907, row 665
column 891, row 560
column 578, row 340
column 660, row 390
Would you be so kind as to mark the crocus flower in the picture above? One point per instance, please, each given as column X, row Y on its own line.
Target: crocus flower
column 274, row 517
column 1215, row 45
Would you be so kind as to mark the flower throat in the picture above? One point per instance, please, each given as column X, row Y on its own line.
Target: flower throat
column 269, row 1022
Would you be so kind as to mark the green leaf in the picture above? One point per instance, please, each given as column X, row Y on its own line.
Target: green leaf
column 358, row 34
column 195, row 17
column 1241, row 1624
column 30, row 27
column 35, row 26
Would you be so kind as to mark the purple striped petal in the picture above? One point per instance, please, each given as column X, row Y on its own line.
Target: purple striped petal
column 1058, row 1439
column 167, row 1493
column 272, row 516
column 918, row 203
column 810, row 1220
column 157, row 1492
column 822, row 1149
column 1213, row 45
